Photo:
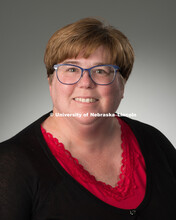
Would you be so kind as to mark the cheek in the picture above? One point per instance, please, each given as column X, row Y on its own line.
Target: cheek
column 113, row 92
column 112, row 95
column 59, row 91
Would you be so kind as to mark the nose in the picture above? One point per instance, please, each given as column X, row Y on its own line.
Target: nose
column 86, row 80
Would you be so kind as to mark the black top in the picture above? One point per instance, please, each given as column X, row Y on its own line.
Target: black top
column 34, row 186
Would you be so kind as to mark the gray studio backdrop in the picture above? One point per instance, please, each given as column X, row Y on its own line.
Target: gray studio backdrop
column 26, row 26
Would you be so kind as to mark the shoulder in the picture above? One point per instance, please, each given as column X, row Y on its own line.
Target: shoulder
column 22, row 149
column 25, row 136
column 145, row 131
column 25, row 159
column 153, row 143
column 150, row 137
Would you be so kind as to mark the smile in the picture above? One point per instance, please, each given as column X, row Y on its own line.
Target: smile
column 86, row 100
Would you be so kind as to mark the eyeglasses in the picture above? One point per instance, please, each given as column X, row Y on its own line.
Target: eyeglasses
column 70, row 74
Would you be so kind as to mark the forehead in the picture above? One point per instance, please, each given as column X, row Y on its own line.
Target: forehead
column 101, row 55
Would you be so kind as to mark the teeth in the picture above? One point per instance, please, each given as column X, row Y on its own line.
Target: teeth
column 87, row 100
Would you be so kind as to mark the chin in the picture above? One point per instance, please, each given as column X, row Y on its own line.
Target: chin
column 87, row 119
column 91, row 119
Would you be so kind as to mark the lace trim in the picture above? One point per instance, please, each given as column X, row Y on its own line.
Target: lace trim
column 126, row 184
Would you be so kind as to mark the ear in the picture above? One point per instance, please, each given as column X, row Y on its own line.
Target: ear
column 123, row 83
column 50, row 83
column 50, row 78
column 123, row 90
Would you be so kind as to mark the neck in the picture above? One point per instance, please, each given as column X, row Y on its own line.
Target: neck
column 80, row 134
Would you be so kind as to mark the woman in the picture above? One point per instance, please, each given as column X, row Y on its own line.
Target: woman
column 81, row 161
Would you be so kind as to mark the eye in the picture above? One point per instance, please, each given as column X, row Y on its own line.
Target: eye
column 100, row 71
column 72, row 69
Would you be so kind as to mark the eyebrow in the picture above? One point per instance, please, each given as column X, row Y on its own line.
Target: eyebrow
column 78, row 63
column 70, row 62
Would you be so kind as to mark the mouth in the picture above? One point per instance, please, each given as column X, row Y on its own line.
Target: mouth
column 86, row 100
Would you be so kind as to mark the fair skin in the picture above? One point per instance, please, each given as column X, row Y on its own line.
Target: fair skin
column 94, row 141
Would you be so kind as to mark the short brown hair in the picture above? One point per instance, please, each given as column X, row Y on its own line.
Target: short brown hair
column 86, row 35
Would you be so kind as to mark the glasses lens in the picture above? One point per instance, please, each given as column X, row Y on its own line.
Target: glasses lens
column 103, row 74
column 68, row 74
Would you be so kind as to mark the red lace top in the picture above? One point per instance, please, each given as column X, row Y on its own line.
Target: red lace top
column 130, row 189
